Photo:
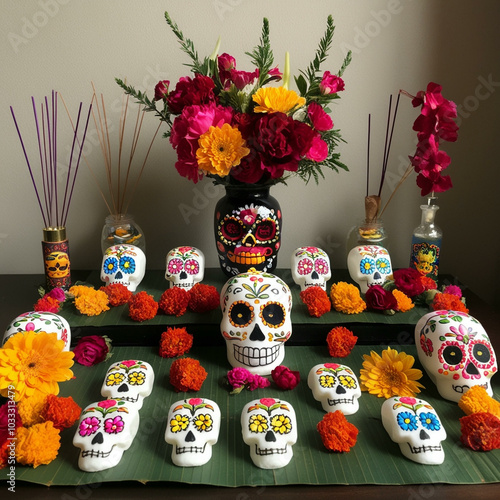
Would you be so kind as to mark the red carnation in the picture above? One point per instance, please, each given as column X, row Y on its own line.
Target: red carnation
column 408, row 281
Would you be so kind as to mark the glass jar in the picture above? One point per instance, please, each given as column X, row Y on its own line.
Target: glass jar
column 119, row 229
column 367, row 233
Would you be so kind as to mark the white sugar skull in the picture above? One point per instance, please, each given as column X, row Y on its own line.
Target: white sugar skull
column 185, row 267
column 192, row 429
column 456, row 352
column 416, row 427
column 369, row 265
column 40, row 322
column 130, row 380
column 105, row 430
column 256, row 322
column 125, row 264
column 335, row 386
column 310, row 267
column 269, row 427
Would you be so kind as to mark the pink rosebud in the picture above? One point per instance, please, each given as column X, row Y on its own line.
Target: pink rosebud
column 161, row 90
column 330, row 84
column 238, row 377
column 267, row 402
column 108, row 403
column 407, row 400
column 285, row 378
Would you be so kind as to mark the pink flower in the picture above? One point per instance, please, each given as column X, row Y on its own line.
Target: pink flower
column 238, row 377
column 58, row 294
column 243, row 78
column 334, row 366
column 407, row 400
column 318, row 150
column 319, row 118
column 107, row 403
column 91, row 350
column 161, row 90
column 285, row 378
column 275, row 74
column 9, row 421
column 331, row 84
column 267, row 402
column 380, row 299
column 29, row 327
column 195, row 401
column 258, row 382
column 88, row 426
column 113, row 425
column 129, row 362
column 453, row 290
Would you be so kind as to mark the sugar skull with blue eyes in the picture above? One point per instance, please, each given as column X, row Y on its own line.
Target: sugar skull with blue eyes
column 414, row 424
column 369, row 265
column 125, row 264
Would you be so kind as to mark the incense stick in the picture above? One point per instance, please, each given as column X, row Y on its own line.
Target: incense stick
column 368, row 157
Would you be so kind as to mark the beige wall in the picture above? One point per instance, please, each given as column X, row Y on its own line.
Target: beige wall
column 66, row 44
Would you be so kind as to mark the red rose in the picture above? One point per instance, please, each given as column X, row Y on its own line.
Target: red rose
column 189, row 91
column 378, row 298
column 408, row 281
column 285, row 378
column 91, row 350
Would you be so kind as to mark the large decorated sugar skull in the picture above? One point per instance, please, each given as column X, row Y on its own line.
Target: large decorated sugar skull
column 192, row 428
column 415, row 426
column 456, row 352
column 369, row 265
column 105, row 430
column 185, row 266
column 256, row 320
column 130, row 380
column 335, row 386
column 310, row 267
column 269, row 427
column 125, row 264
column 40, row 322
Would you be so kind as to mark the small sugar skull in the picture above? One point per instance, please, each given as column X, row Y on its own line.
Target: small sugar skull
column 106, row 429
column 192, row 428
column 130, row 380
column 335, row 386
column 310, row 267
column 256, row 320
column 416, row 427
column 40, row 322
column 125, row 264
column 456, row 352
column 269, row 427
column 369, row 265
column 185, row 267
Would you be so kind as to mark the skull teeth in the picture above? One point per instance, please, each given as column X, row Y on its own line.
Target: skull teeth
column 255, row 356
column 179, row 450
column 270, row 451
column 247, row 258
column 333, row 402
column 424, row 448
column 96, row 454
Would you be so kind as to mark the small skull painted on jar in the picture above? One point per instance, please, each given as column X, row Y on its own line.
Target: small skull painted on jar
column 125, row 264
column 256, row 320
column 414, row 424
column 369, row 265
column 310, row 267
column 335, row 386
column 185, row 266
column 456, row 352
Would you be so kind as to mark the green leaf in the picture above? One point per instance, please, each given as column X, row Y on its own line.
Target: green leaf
column 262, row 55
column 444, row 321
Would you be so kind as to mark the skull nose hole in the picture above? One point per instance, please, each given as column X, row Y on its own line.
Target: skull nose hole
column 340, row 390
column 377, row 276
column 257, row 334
column 315, row 275
column 183, row 276
column 270, row 437
column 123, row 388
column 190, row 437
column 250, row 243
column 471, row 369
column 98, row 439
column 119, row 275
column 424, row 435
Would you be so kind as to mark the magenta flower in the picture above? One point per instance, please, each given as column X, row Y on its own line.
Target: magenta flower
column 331, row 84
column 114, row 425
column 107, row 403
column 88, row 426
column 320, row 119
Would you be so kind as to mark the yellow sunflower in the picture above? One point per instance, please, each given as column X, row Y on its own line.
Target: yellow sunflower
column 273, row 99
column 220, row 149
column 32, row 363
column 390, row 374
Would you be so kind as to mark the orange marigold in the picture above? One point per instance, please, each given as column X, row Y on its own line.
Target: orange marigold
column 203, row 298
column 346, row 298
column 174, row 301
column 142, row 307
column 62, row 412
column 117, row 293
column 37, row 445
column 316, row 300
column 30, row 409
column 449, row 302
column 88, row 300
column 186, row 374
column 429, row 283
column 47, row 304
column 340, row 341
column 480, row 431
column 476, row 400
column 175, row 342
column 336, row 432
column 404, row 302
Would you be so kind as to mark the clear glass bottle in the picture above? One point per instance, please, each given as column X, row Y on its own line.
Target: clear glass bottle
column 426, row 242
column 122, row 228
column 367, row 233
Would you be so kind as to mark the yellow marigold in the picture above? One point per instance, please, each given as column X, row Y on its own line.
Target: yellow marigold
column 220, row 149
column 37, row 445
column 390, row 374
column 34, row 362
column 274, row 99
column 30, row 409
column 404, row 302
column 346, row 298
column 89, row 301
column 476, row 400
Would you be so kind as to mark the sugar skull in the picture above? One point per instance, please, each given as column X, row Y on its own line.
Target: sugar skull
column 40, row 322
column 192, row 429
column 369, row 265
column 185, row 267
column 456, row 352
column 335, row 386
column 130, row 380
column 105, row 430
column 248, row 236
column 269, row 427
column 310, row 267
column 125, row 264
column 416, row 427
column 256, row 320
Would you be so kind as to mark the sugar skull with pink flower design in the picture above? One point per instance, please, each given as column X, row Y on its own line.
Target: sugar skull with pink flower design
column 310, row 266
column 185, row 266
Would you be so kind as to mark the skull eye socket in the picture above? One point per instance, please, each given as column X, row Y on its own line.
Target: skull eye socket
column 203, row 423
column 241, row 313
column 179, row 423
column 175, row 266
column 136, row 378
column 110, row 265
column 127, row 264
column 89, row 426
column 192, row 267
column 321, row 266
column 430, row 421
column 273, row 314
column 232, row 229
column 266, row 230
column 482, row 353
column 367, row 265
column 305, row 266
column 327, row 381
column 258, row 424
column 281, row 424
column 452, row 354
column 383, row 265
column 407, row 421
column 114, row 379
